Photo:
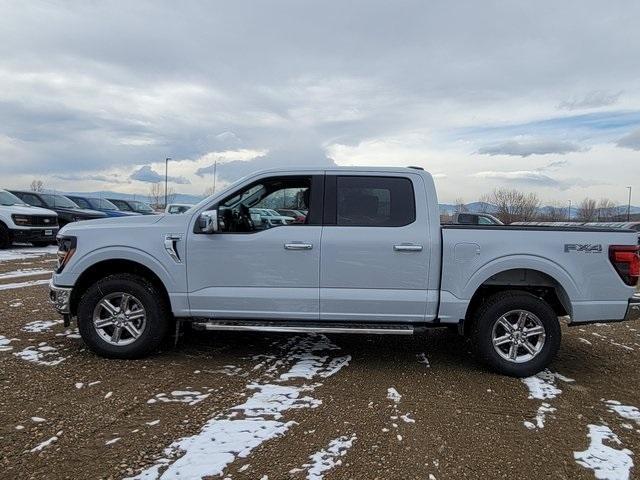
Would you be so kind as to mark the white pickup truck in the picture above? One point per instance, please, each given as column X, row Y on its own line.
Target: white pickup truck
column 371, row 257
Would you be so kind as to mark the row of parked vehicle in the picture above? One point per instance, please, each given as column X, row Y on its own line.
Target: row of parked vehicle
column 35, row 217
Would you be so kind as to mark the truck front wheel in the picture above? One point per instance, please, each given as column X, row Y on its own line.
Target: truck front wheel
column 516, row 333
column 123, row 316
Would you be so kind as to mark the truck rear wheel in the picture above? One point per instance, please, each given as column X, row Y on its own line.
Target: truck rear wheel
column 123, row 316
column 516, row 333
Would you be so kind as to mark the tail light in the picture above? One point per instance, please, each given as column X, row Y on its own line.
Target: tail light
column 626, row 260
column 66, row 249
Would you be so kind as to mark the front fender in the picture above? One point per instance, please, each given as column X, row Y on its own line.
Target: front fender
column 69, row 277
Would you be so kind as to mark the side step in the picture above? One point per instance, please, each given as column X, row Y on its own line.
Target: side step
column 304, row 327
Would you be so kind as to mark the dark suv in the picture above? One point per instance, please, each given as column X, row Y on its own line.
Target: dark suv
column 133, row 206
column 67, row 210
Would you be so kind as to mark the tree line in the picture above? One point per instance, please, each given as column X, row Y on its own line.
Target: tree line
column 511, row 205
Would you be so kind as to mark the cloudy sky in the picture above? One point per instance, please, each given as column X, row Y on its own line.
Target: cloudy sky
column 543, row 96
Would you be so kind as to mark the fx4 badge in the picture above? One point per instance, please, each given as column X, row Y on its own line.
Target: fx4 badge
column 582, row 247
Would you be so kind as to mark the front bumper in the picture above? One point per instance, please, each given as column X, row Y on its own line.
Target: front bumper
column 633, row 310
column 60, row 298
column 35, row 234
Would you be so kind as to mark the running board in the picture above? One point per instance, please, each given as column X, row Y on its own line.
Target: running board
column 304, row 327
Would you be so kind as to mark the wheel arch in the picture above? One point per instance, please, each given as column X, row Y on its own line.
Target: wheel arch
column 104, row 268
column 537, row 276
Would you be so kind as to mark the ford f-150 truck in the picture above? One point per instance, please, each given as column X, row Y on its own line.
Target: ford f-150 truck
column 370, row 257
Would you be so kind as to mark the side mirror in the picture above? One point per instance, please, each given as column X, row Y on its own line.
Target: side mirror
column 208, row 221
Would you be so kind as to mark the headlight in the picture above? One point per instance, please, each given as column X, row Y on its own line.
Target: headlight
column 66, row 249
column 20, row 219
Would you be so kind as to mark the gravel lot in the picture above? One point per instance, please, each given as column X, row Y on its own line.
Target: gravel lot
column 241, row 405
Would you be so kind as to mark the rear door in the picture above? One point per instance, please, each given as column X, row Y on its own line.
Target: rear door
column 375, row 248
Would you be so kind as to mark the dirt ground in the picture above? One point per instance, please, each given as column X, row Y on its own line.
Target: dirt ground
column 255, row 406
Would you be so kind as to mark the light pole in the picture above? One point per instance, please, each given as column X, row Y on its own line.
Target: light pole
column 166, row 178
column 629, row 206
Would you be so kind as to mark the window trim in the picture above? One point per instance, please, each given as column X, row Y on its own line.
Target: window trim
column 331, row 200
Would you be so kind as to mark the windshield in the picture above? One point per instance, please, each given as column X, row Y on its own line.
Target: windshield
column 8, row 199
column 57, row 201
column 102, row 204
column 140, row 207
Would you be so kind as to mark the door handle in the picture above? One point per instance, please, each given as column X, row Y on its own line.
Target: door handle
column 298, row 246
column 407, row 247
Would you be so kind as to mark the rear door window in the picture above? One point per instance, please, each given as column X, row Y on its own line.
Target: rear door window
column 374, row 201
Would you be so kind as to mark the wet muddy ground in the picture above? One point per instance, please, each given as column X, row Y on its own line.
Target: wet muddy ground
column 255, row 406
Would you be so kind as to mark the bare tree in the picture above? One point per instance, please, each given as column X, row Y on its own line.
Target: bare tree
column 607, row 210
column 37, row 185
column 587, row 210
column 554, row 212
column 512, row 205
column 460, row 206
column 156, row 195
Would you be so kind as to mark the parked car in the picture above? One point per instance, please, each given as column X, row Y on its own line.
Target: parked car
column 101, row 205
column 20, row 222
column 475, row 219
column 176, row 208
column 387, row 266
column 269, row 218
column 135, row 206
column 66, row 209
column 298, row 216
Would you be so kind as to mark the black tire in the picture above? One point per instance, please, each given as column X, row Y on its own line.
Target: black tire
column 158, row 316
column 489, row 313
column 5, row 236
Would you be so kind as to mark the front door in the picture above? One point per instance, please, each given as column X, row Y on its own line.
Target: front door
column 375, row 249
column 261, row 264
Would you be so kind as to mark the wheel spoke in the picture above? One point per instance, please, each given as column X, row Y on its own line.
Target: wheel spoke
column 105, row 322
column 129, row 327
column 117, row 332
column 124, row 302
column 108, row 306
column 522, row 319
column 513, row 351
column 528, row 347
column 501, row 340
column 505, row 324
column 533, row 331
column 136, row 315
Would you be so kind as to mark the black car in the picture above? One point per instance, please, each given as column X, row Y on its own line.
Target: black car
column 67, row 210
column 133, row 206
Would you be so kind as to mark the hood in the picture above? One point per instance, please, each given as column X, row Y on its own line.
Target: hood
column 82, row 212
column 133, row 221
column 29, row 210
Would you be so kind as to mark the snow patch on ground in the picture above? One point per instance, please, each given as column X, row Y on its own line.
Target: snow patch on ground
column 190, row 397
column 40, row 326
column 327, row 458
column 627, row 412
column 27, row 272
column 605, row 461
column 43, row 354
column 4, row 343
column 540, row 417
column 30, row 283
column 235, row 433
column 70, row 333
column 392, row 394
column 542, row 386
column 46, row 443
column 26, row 253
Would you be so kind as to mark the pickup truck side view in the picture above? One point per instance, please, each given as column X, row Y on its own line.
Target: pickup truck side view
column 370, row 257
